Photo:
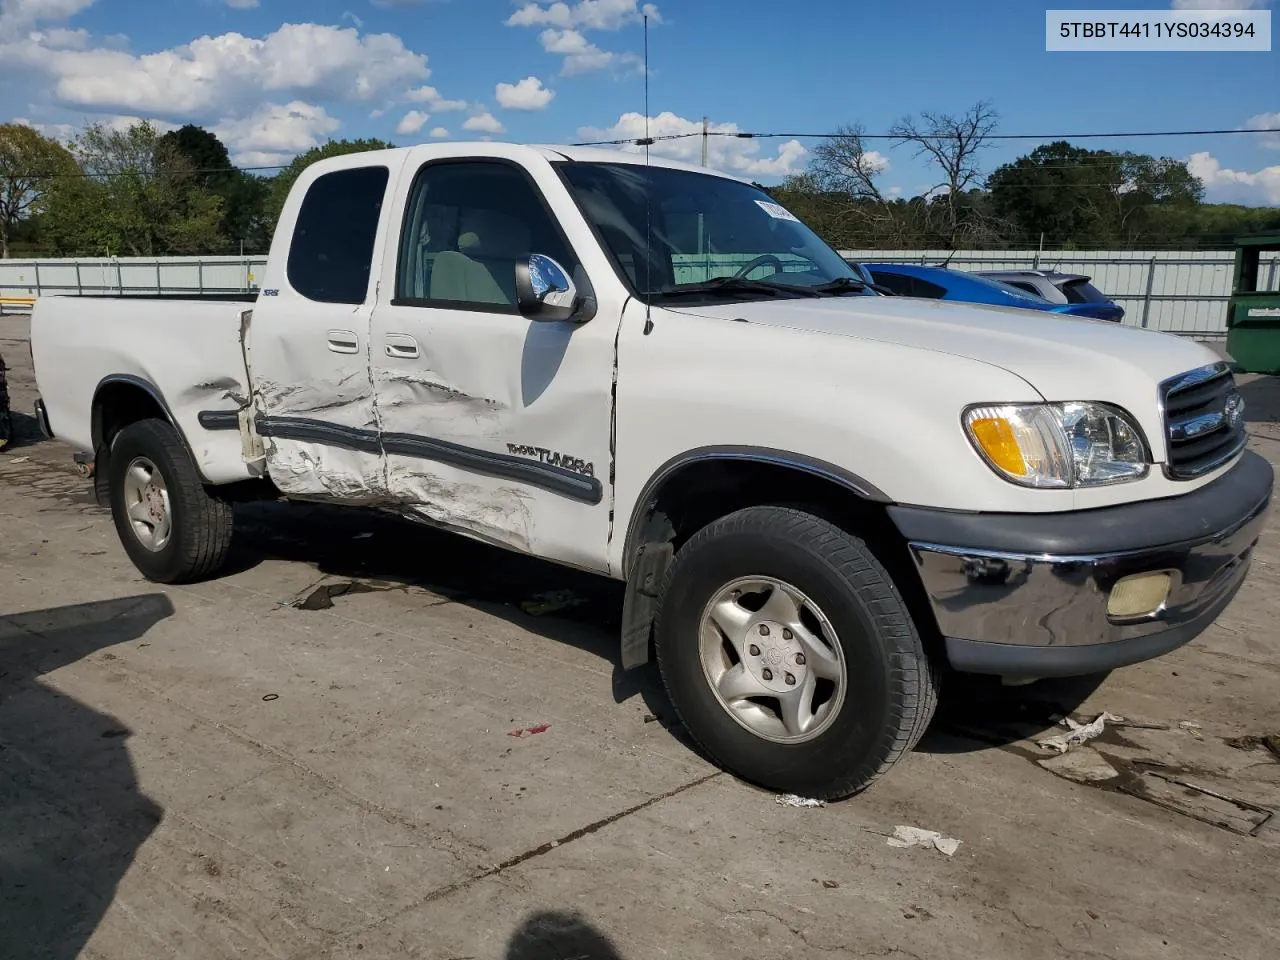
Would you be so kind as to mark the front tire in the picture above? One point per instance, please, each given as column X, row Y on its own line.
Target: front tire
column 789, row 654
column 170, row 525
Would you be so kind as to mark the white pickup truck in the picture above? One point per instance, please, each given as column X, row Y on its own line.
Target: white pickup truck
column 819, row 498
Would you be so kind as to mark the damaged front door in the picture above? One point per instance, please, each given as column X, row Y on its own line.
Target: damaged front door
column 493, row 424
column 308, row 343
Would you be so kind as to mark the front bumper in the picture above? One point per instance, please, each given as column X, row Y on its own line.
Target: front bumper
column 1026, row 595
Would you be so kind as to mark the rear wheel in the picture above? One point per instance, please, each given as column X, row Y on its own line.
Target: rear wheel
column 789, row 654
column 170, row 525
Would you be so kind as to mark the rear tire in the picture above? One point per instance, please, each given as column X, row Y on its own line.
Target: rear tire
column 170, row 525
column 820, row 681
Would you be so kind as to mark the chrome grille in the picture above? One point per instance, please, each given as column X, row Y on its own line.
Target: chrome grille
column 1203, row 420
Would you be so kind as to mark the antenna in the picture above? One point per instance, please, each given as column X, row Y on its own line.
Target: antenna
column 648, row 196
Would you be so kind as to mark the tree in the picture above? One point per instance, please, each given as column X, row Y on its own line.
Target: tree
column 246, row 221
column 137, row 197
column 28, row 164
column 1077, row 196
column 953, row 144
column 283, row 182
column 839, row 194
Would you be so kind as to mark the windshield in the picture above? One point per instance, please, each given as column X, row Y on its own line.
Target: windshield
column 703, row 230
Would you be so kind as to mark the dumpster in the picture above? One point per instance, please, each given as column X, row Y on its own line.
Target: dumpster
column 1253, row 312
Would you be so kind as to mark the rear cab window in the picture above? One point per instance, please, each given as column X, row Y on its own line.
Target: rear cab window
column 331, row 253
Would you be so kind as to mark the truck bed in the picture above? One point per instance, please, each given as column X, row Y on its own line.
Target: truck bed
column 184, row 351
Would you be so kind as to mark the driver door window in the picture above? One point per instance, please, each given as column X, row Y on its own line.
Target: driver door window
column 466, row 226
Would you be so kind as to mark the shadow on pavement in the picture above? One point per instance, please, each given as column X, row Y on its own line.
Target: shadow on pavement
column 1261, row 398
column 977, row 713
column 369, row 547
column 73, row 816
column 554, row 935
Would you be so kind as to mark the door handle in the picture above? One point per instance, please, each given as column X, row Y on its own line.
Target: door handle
column 343, row 341
column 402, row 346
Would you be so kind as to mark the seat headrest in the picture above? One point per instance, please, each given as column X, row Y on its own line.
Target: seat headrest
column 488, row 233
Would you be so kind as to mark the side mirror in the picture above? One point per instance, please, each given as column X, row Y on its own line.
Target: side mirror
column 544, row 291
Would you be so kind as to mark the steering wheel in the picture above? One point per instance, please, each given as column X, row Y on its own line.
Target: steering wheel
column 759, row 262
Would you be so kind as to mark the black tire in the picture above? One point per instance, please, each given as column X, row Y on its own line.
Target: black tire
column 200, row 537
column 891, row 685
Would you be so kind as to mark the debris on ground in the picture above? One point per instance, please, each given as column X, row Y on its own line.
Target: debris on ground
column 830, row 884
column 650, row 718
column 541, row 604
column 6, row 422
column 521, row 732
column 1191, row 727
column 321, row 597
column 1084, row 765
column 791, row 800
column 1081, row 733
column 1266, row 741
column 916, row 837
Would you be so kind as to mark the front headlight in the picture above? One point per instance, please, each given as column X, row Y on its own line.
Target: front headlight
column 1058, row 445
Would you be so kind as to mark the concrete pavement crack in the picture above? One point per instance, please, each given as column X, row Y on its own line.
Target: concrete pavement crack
column 815, row 944
column 497, row 869
column 1063, row 948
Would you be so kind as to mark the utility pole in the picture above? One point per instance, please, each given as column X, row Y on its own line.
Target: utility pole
column 706, row 127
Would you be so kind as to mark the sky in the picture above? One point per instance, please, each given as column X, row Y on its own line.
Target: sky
column 275, row 77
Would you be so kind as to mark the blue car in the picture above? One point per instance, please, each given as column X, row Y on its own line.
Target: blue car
column 942, row 283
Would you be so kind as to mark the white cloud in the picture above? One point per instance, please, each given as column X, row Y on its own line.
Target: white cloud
column 19, row 16
column 412, row 122
column 580, row 54
column 275, row 133
column 440, row 133
column 587, row 14
column 727, row 153
column 1218, row 4
column 241, row 4
column 565, row 26
column 1224, row 185
column 213, row 77
column 56, row 131
column 431, row 97
column 528, row 94
column 1266, row 121
column 484, row 123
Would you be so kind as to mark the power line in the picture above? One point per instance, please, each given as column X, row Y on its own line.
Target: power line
column 83, row 175
column 743, row 135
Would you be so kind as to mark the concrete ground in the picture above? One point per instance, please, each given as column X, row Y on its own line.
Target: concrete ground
column 316, row 757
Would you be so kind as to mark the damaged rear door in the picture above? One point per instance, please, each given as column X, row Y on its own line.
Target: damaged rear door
column 308, row 339
column 493, row 424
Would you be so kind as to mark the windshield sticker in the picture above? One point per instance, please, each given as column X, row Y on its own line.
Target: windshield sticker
column 777, row 211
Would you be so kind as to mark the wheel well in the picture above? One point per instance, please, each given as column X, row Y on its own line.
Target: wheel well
column 704, row 491
column 118, row 404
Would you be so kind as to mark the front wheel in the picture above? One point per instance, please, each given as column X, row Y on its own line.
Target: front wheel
column 790, row 655
column 173, row 529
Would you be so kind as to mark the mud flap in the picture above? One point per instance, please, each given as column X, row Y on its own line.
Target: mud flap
column 6, row 420
column 640, row 606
